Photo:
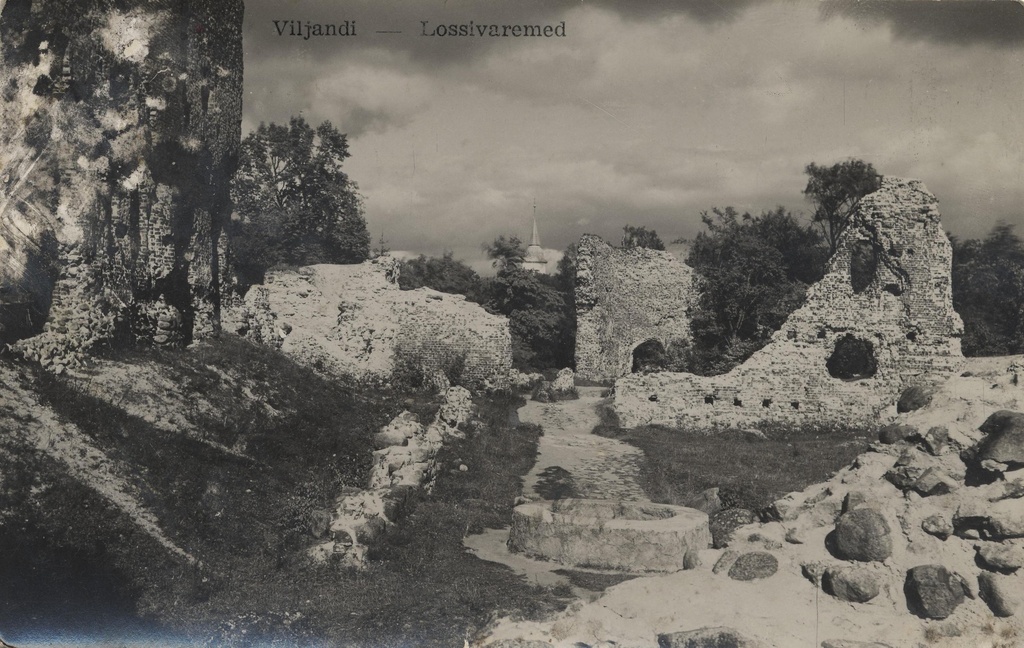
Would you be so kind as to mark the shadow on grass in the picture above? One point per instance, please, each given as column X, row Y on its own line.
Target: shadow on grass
column 750, row 472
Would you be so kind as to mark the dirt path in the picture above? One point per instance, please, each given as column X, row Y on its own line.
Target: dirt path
column 569, row 453
column 571, row 462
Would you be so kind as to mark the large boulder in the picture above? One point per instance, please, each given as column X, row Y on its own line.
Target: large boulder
column 754, row 566
column 1001, row 593
column 1004, row 439
column 990, row 520
column 1000, row 557
column 853, row 584
column 862, row 534
column 933, row 592
column 914, row 398
column 723, row 523
column 719, row 637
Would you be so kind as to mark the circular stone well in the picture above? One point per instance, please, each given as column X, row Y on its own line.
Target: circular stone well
column 602, row 534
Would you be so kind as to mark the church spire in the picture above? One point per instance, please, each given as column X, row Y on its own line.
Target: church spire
column 536, row 237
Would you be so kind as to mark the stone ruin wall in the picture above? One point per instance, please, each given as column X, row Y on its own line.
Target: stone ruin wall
column 625, row 297
column 906, row 312
column 354, row 321
column 121, row 126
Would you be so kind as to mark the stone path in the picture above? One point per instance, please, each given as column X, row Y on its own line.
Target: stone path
column 600, row 468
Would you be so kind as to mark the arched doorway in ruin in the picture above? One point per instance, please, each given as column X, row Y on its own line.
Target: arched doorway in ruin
column 853, row 358
column 648, row 356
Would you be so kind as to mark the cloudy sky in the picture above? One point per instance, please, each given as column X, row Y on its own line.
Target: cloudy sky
column 647, row 111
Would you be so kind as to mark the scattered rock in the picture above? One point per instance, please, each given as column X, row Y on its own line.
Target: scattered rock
column 1001, row 595
column 989, row 520
column 1004, row 440
column 564, row 381
column 725, row 561
column 725, row 522
column 754, row 433
column 862, row 534
column 895, row 432
column 1010, row 490
column 707, row 501
column 935, row 439
column 720, row 637
column 853, row 499
column 938, row 526
column 914, row 398
column 854, row 584
column 934, row 482
column 368, row 532
column 933, row 592
column 813, row 571
column 463, row 468
column 754, row 566
column 1000, row 557
column 795, row 535
column 691, row 559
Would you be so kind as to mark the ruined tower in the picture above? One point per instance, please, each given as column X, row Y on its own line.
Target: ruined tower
column 880, row 320
column 120, row 131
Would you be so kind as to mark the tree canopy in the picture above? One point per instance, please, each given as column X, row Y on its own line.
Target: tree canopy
column 988, row 292
column 293, row 202
column 445, row 274
column 835, row 192
column 505, row 253
column 641, row 237
column 754, row 271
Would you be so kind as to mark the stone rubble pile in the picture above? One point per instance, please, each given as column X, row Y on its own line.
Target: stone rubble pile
column 923, row 533
column 404, row 461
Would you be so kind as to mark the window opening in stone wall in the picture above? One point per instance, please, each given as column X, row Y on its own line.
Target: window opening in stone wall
column 863, row 265
column 821, row 334
column 737, row 402
column 852, row 359
column 709, row 400
column 791, row 335
column 767, row 402
column 649, row 357
column 795, row 404
column 912, row 336
column 893, row 289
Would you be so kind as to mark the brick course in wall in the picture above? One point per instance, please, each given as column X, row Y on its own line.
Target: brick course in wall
column 905, row 312
column 625, row 297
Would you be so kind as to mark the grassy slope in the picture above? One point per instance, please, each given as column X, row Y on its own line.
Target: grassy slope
column 247, row 517
column 751, row 472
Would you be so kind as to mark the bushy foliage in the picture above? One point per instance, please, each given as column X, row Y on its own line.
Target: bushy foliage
column 633, row 237
column 541, row 308
column 836, row 191
column 988, row 292
column 754, row 271
column 445, row 274
column 294, row 205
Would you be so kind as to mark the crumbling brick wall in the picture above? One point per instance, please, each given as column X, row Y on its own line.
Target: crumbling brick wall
column 120, row 131
column 904, row 310
column 354, row 321
column 625, row 297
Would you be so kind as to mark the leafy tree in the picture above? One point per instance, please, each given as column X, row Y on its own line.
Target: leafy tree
column 445, row 274
column 988, row 292
column 293, row 202
column 540, row 308
column 641, row 237
column 835, row 192
column 754, row 272
column 505, row 253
